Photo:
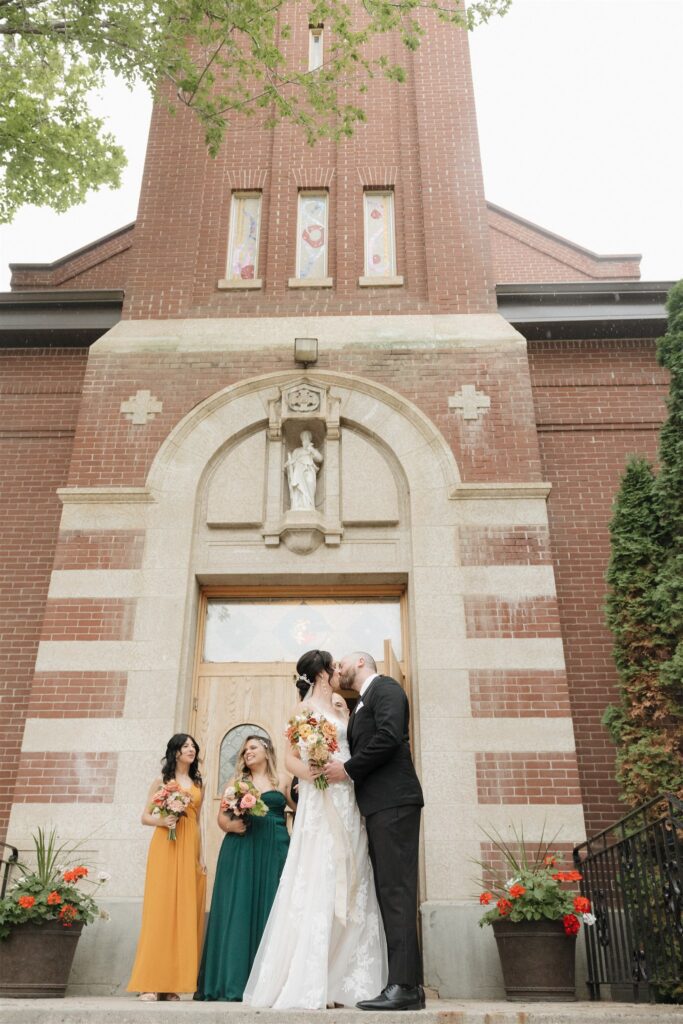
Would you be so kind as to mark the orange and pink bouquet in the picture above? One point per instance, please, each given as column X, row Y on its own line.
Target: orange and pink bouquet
column 242, row 799
column 170, row 799
column 316, row 738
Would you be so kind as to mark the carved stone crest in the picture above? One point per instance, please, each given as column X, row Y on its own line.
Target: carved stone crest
column 303, row 399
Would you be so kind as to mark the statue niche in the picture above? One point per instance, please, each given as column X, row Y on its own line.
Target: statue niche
column 303, row 478
column 302, row 466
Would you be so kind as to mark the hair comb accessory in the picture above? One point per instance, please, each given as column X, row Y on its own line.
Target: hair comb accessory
column 304, row 679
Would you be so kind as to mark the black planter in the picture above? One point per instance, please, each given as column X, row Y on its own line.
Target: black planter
column 35, row 961
column 538, row 960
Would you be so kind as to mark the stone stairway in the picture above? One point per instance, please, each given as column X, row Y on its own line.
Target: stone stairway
column 98, row 1010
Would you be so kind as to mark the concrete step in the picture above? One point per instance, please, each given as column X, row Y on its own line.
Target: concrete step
column 123, row 1010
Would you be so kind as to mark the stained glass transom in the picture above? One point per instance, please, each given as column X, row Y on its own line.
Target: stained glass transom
column 312, row 235
column 244, row 236
column 282, row 630
column 231, row 745
column 380, row 256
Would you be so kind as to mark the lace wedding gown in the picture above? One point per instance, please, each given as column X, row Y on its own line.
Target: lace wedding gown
column 324, row 940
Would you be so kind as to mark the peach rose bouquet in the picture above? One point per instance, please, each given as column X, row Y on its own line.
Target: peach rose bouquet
column 170, row 799
column 241, row 799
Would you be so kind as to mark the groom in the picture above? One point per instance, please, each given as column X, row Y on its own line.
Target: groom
column 390, row 798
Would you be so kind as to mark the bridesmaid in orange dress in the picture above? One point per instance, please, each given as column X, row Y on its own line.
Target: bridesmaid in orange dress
column 169, row 948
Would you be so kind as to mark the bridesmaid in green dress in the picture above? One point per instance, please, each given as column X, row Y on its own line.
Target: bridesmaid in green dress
column 249, row 866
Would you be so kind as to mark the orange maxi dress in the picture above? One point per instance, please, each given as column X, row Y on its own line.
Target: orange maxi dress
column 170, row 944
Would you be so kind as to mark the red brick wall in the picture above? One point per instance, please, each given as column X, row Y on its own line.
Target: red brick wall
column 88, row 619
column 518, row 694
column 99, row 549
column 527, row 778
column 100, row 265
column 39, row 398
column 424, row 130
column 504, row 545
column 489, row 616
column 66, row 778
column 77, row 695
column 597, row 402
column 523, row 253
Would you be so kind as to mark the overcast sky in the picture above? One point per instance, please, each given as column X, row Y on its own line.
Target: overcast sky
column 579, row 111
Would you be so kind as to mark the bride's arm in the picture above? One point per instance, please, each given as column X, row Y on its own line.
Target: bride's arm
column 295, row 766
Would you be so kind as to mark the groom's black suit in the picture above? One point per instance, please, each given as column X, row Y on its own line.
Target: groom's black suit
column 389, row 795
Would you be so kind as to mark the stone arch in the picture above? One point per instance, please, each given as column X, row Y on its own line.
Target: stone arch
column 240, row 407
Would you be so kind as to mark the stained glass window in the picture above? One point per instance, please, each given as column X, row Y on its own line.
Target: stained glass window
column 245, row 222
column 315, row 48
column 311, row 253
column 231, row 745
column 380, row 247
column 282, row 630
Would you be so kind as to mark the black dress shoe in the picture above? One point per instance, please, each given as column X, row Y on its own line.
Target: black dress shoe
column 396, row 997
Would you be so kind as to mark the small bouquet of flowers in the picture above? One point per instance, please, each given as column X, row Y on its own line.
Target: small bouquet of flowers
column 170, row 799
column 242, row 799
column 315, row 736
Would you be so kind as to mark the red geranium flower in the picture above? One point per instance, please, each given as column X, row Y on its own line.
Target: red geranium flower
column 504, row 907
column 54, row 898
column 582, row 905
column 571, row 924
column 485, row 898
column 517, row 890
column 567, row 876
column 26, row 902
column 68, row 914
column 549, row 861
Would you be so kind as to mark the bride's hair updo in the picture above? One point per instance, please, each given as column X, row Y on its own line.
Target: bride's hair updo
column 310, row 665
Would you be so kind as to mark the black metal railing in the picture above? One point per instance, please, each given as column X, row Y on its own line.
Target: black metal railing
column 633, row 875
column 7, row 862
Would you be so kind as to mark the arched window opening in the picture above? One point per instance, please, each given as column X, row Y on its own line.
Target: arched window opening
column 230, row 748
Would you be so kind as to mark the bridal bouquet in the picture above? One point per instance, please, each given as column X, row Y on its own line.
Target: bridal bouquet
column 315, row 736
column 170, row 799
column 242, row 799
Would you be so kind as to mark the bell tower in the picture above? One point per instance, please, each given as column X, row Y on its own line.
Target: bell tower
column 391, row 221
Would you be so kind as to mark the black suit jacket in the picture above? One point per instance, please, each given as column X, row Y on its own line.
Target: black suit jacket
column 381, row 765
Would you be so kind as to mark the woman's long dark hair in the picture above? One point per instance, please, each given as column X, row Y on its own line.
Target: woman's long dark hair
column 173, row 748
column 310, row 665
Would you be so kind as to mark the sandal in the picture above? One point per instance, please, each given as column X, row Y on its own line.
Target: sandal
column 148, row 997
column 171, row 997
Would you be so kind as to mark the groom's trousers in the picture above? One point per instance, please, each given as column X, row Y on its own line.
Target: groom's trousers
column 394, row 839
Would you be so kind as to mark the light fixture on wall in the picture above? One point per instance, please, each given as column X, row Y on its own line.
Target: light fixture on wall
column 306, row 350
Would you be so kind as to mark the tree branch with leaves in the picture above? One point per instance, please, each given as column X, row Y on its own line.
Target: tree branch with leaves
column 223, row 60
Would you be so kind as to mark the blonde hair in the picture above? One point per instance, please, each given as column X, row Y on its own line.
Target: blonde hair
column 241, row 770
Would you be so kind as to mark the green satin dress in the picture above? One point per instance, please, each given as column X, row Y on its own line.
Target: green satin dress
column 247, row 876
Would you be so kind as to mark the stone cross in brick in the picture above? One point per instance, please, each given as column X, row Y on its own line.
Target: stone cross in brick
column 470, row 401
column 141, row 407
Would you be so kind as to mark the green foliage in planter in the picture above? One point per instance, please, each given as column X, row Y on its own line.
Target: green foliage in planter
column 51, row 891
column 536, row 889
column 645, row 600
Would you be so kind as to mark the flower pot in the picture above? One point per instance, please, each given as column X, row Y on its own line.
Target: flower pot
column 35, row 960
column 537, row 958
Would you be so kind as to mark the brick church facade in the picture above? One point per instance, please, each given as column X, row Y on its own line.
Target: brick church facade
column 474, row 402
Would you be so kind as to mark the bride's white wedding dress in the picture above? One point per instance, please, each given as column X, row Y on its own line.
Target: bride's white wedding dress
column 324, row 942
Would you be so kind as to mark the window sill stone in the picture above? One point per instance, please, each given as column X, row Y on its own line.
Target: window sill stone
column 380, row 282
column 310, row 282
column 234, row 282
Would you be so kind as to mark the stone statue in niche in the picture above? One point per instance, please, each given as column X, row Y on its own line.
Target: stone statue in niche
column 302, row 469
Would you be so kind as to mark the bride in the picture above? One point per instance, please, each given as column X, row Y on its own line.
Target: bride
column 324, row 941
